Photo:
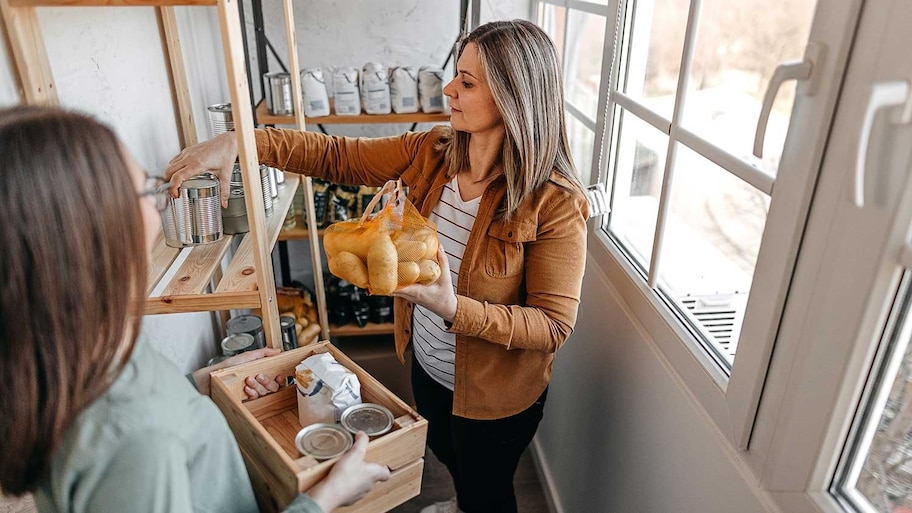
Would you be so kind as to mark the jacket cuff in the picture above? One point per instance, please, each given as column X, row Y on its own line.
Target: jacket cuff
column 263, row 145
column 470, row 315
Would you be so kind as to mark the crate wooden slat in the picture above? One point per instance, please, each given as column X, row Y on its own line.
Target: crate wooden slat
column 160, row 260
column 265, row 429
column 108, row 3
column 265, row 118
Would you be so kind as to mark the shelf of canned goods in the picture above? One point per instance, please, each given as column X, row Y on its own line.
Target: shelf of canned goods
column 179, row 278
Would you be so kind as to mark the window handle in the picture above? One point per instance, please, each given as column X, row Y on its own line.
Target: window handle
column 793, row 70
column 883, row 95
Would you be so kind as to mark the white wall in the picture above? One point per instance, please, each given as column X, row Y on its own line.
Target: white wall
column 619, row 435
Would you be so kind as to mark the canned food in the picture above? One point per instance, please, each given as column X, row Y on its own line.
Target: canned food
column 216, row 359
column 249, row 324
column 237, row 343
column 323, row 441
column 289, row 333
column 371, row 418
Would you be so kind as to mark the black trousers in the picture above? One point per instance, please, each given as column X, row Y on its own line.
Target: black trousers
column 481, row 455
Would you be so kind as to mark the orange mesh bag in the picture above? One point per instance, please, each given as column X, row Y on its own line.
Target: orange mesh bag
column 386, row 251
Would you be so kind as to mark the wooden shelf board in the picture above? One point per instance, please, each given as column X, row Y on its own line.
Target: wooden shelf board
column 107, row 3
column 299, row 232
column 265, row 118
column 160, row 261
column 202, row 302
column 353, row 330
column 241, row 272
column 196, row 272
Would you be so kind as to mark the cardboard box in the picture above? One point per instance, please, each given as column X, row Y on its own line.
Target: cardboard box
column 265, row 429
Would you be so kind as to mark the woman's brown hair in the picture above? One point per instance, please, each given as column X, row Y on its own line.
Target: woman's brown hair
column 72, row 259
column 524, row 74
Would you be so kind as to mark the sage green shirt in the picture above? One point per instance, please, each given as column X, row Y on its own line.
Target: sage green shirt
column 151, row 443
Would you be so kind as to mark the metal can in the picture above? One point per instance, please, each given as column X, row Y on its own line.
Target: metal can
column 216, row 359
column 371, row 418
column 323, row 441
column 249, row 324
column 265, row 182
column 194, row 217
column 220, row 119
column 237, row 343
column 278, row 94
column 289, row 333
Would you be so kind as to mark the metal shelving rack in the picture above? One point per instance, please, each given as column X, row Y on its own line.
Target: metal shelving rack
column 263, row 117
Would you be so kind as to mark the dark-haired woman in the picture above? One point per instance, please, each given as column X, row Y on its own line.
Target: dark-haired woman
column 92, row 419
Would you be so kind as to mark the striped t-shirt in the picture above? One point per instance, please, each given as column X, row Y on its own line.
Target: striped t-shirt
column 435, row 348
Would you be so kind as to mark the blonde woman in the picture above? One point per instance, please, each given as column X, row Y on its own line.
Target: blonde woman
column 502, row 190
column 92, row 419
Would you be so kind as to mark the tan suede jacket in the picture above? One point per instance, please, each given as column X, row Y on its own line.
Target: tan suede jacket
column 519, row 285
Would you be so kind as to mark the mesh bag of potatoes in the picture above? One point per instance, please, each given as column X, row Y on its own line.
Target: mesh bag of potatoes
column 386, row 251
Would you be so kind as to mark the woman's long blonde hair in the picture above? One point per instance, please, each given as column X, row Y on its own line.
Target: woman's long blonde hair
column 524, row 75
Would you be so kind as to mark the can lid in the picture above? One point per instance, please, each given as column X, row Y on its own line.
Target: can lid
column 220, row 107
column 323, row 441
column 371, row 418
column 236, row 343
column 217, row 359
column 286, row 322
column 244, row 324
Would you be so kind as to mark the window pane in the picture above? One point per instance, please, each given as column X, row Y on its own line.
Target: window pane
column 710, row 245
column 739, row 44
column 885, row 476
column 638, row 167
column 551, row 19
column 583, row 60
column 653, row 51
column 582, row 141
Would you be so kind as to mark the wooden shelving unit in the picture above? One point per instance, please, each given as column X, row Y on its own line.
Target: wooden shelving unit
column 352, row 330
column 265, row 118
column 249, row 281
column 299, row 232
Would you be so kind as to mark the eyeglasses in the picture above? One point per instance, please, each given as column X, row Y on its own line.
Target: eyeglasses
column 157, row 187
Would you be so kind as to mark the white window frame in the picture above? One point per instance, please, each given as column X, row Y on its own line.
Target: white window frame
column 733, row 402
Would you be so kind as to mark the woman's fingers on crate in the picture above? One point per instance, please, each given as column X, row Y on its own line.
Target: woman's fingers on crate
column 350, row 478
column 261, row 385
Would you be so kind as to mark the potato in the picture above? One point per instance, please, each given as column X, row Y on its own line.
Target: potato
column 410, row 250
column 431, row 243
column 350, row 268
column 382, row 265
column 356, row 241
column 408, row 273
column 429, row 272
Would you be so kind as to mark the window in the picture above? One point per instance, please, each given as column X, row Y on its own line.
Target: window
column 697, row 220
column 878, row 472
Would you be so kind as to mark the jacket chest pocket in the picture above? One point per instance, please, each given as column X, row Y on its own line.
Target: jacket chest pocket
column 505, row 251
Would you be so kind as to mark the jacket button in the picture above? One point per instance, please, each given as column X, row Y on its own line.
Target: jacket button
column 510, row 234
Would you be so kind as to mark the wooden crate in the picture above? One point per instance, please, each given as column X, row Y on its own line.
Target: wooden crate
column 265, row 429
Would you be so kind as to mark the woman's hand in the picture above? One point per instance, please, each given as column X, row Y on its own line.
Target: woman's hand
column 256, row 386
column 438, row 297
column 350, row 479
column 217, row 155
